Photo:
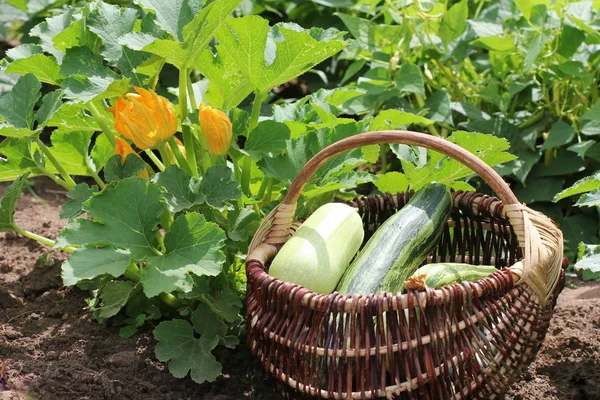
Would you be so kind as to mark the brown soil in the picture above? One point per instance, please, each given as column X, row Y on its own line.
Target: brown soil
column 51, row 349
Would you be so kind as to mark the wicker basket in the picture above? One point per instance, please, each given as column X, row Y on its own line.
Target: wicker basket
column 462, row 341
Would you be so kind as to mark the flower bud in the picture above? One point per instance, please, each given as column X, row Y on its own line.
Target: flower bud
column 216, row 130
column 123, row 149
column 145, row 118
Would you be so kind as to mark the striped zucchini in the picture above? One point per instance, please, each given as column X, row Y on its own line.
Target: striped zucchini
column 436, row 275
column 400, row 245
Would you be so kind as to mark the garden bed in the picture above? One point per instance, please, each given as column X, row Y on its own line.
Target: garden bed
column 51, row 349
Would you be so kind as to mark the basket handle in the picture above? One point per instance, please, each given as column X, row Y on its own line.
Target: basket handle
column 445, row 147
column 537, row 235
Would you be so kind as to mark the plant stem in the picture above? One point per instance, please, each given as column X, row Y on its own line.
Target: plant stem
column 102, row 122
column 59, row 167
column 42, row 239
column 188, row 138
column 133, row 272
column 164, row 155
column 191, row 94
column 421, row 103
column 170, row 300
column 155, row 159
column 94, row 175
column 383, row 157
column 179, row 156
column 247, row 164
column 263, row 187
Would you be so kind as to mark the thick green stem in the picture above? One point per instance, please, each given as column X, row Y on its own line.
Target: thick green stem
column 188, row 138
column 94, row 175
column 155, row 159
column 421, row 103
column 247, row 164
column 59, row 167
column 246, row 175
column 263, row 188
column 383, row 158
column 42, row 239
column 164, row 155
column 102, row 122
column 191, row 94
column 170, row 300
column 179, row 156
column 133, row 272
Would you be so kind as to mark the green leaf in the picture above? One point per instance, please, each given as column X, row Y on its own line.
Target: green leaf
column 88, row 78
column 73, row 117
column 253, row 57
column 114, row 296
column 51, row 102
column 267, row 139
column 561, row 133
column 534, row 49
column 218, row 186
column 202, row 29
column 78, row 195
column 129, row 63
column 192, row 246
column 241, row 224
column 588, row 258
column 578, row 228
column 8, row 203
column 17, row 159
column 496, row 43
column 184, row 353
column 51, row 27
column 438, row 106
column 43, row 67
column 392, row 182
column 410, row 80
column 370, row 35
column 393, row 119
column 71, row 148
column 115, row 170
column 103, row 150
column 89, row 262
column 582, row 148
column 74, row 36
column 488, row 148
column 17, row 106
column 20, row 133
column 207, row 322
column 181, row 191
column 581, row 186
column 173, row 15
column 454, row 22
column 110, row 23
column 227, row 304
column 539, row 189
column 591, row 199
column 124, row 215
column 569, row 40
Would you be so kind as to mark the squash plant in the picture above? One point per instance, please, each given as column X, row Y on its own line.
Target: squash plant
column 167, row 179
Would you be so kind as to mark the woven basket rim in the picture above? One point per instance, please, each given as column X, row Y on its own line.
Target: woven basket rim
column 481, row 288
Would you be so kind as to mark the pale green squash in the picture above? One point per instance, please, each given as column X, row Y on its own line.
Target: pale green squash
column 317, row 255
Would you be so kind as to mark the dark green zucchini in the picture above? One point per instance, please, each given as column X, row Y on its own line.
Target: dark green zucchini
column 400, row 245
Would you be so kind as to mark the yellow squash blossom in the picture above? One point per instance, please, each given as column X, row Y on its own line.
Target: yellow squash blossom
column 145, row 118
column 216, row 130
column 123, row 149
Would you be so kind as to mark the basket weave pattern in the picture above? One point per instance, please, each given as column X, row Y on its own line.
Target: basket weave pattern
column 462, row 341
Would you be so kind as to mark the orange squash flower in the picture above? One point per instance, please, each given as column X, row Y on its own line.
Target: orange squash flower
column 145, row 118
column 216, row 130
column 123, row 149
